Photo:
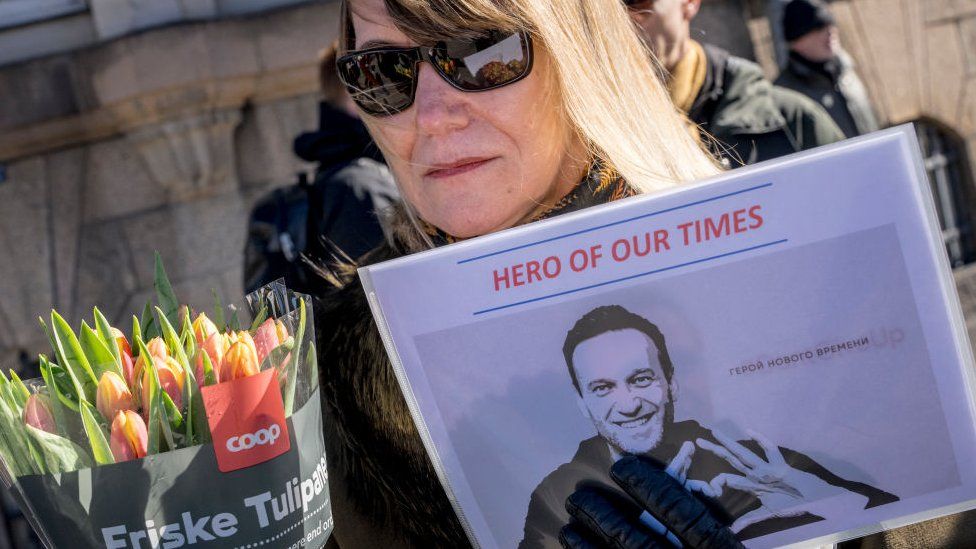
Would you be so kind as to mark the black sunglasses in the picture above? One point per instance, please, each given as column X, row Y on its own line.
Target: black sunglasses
column 383, row 81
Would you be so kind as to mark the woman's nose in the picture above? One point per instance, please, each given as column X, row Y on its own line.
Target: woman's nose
column 441, row 108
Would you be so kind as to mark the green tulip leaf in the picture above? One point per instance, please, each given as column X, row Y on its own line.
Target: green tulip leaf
column 60, row 455
column 189, row 390
column 72, row 358
column 186, row 334
column 209, row 377
column 61, row 388
column 105, row 333
column 19, row 390
column 172, row 340
column 172, row 412
column 235, row 322
column 14, row 442
column 148, row 323
column 276, row 358
column 136, row 331
column 292, row 369
column 164, row 292
column 36, row 456
column 159, row 422
column 101, row 451
column 99, row 356
column 218, row 318
column 260, row 318
column 57, row 405
column 311, row 366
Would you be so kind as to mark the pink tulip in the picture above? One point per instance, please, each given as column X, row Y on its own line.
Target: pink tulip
column 215, row 347
column 268, row 336
column 129, row 438
column 157, row 349
column 171, row 379
column 37, row 413
column 125, row 354
column 113, row 395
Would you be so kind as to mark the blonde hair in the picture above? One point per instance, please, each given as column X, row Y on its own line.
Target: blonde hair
column 607, row 79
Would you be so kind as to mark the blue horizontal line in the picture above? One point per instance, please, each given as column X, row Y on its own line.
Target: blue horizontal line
column 621, row 222
column 631, row 277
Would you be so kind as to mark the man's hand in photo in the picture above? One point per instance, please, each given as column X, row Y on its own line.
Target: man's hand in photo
column 783, row 490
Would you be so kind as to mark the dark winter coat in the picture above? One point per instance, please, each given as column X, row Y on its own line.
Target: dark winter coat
column 752, row 119
column 385, row 492
column 835, row 86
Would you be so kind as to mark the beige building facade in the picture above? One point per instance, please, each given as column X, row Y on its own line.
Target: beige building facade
column 151, row 139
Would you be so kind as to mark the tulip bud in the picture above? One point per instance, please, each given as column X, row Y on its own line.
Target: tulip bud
column 113, row 395
column 157, row 349
column 171, row 379
column 203, row 328
column 129, row 438
column 267, row 337
column 214, row 347
column 125, row 356
column 37, row 413
column 121, row 342
column 240, row 361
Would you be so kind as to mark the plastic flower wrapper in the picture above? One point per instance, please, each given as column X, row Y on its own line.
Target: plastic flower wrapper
column 189, row 427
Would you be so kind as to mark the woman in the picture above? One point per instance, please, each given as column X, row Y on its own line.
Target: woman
column 522, row 110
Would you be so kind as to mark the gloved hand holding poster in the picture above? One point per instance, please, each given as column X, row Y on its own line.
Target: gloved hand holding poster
column 784, row 342
column 210, row 435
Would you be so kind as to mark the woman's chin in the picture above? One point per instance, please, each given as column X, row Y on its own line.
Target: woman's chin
column 470, row 226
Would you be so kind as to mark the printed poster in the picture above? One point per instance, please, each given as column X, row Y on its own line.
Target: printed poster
column 789, row 324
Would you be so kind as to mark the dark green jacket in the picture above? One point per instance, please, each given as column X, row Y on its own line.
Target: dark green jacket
column 752, row 119
column 834, row 86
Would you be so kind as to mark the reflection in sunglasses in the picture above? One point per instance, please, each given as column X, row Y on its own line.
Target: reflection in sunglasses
column 500, row 54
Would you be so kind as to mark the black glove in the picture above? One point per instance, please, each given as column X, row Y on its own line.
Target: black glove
column 603, row 519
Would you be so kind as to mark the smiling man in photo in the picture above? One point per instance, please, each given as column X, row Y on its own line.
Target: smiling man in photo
column 625, row 385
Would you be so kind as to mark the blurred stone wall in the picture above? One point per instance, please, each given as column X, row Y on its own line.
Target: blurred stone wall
column 160, row 140
column 918, row 61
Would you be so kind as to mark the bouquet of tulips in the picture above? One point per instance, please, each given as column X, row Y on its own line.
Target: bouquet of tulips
column 142, row 418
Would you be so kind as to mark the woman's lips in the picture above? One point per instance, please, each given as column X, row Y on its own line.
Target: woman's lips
column 444, row 171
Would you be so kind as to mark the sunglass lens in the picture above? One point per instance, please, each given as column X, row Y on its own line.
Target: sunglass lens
column 483, row 63
column 380, row 82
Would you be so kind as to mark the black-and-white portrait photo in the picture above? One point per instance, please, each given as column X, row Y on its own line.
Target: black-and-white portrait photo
column 626, row 385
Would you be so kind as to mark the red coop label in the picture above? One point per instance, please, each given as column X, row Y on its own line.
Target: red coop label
column 247, row 420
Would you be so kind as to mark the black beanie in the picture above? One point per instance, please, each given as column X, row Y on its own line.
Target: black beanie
column 804, row 16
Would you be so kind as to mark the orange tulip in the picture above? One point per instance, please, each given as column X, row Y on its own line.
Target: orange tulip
column 157, row 349
column 121, row 341
column 129, row 438
column 113, row 395
column 125, row 354
column 37, row 413
column 215, row 348
column 240, row 361
column 203, row 328
column 171, row 379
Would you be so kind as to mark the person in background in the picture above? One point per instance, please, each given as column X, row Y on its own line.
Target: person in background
column 339, row 215
column 818, row 67
column 728, row 97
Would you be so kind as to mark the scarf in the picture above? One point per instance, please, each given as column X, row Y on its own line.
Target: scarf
column 688, row 77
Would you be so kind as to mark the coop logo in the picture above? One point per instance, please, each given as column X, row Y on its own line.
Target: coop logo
column 247, row 420
column 257, row 438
